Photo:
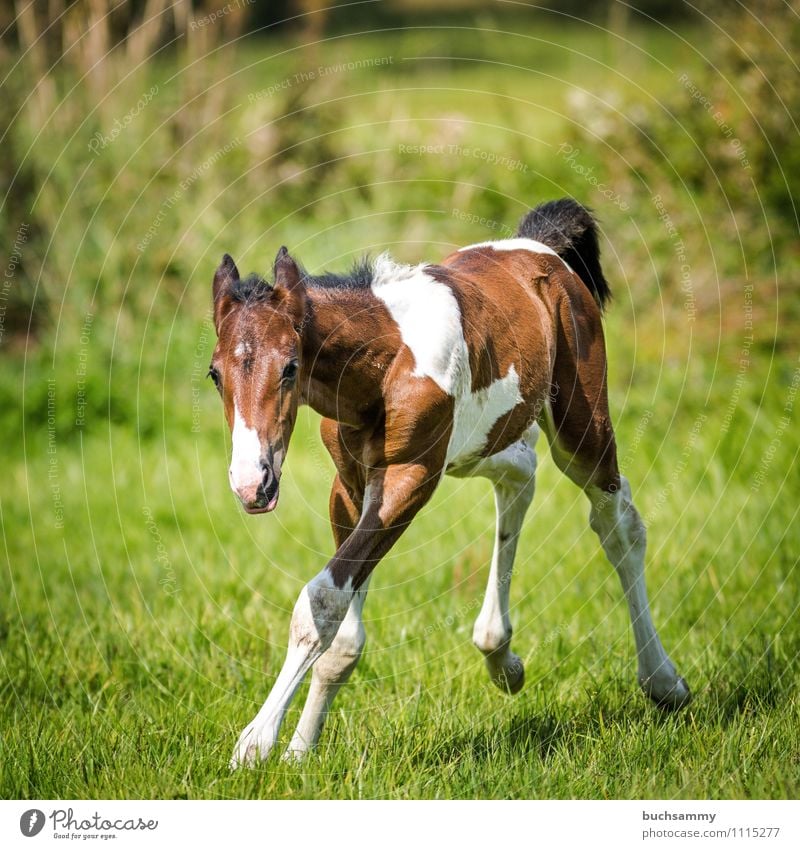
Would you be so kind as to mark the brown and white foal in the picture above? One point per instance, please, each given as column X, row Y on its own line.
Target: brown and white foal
column 420, row 371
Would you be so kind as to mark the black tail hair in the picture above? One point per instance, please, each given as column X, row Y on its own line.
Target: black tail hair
column 570, row 230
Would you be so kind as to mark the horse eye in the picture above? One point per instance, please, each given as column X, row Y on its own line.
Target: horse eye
column 289, row 372
column 214, row 375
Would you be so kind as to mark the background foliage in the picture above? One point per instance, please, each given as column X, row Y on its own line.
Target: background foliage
column 143, row 616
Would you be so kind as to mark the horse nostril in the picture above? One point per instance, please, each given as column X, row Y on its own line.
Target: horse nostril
column 269, row 485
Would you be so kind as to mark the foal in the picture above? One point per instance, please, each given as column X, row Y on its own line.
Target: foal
column 420, row 371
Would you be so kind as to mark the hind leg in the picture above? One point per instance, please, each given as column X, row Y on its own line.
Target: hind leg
column 617, row 523
column 513, row 475
column 578, row 427
column 591, row 463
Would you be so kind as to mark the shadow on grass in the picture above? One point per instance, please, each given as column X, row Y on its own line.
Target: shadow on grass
column 754, row 679
column 538, row 733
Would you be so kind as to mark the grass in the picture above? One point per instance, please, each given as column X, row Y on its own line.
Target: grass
column 143, row 616
column 129, row 669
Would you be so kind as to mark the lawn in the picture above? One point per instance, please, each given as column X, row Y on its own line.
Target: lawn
column 140, row 637
column 143, row 616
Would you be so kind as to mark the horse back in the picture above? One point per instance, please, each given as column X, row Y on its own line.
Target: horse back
column 527, row 312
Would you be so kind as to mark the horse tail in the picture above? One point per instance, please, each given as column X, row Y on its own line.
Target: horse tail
column 570, row 230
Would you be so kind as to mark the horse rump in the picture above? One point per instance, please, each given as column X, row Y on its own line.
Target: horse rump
column 570, row 230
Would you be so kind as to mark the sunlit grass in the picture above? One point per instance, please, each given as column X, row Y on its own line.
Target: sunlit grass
column 140, row 634
column 129, row 669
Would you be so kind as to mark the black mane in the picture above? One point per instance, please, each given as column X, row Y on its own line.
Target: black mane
column 251, row 289
column 255, row 289
column 360, row 276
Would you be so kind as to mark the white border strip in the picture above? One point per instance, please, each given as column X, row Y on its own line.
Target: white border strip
column 348, row 825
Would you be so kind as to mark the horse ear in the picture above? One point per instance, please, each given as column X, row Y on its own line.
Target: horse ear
column 287, row 274
column 289, row 280
column 224, row 277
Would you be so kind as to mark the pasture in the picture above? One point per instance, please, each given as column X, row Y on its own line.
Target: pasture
column 143, row 615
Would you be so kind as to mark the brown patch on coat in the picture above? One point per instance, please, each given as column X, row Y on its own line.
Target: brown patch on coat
column 529, row 310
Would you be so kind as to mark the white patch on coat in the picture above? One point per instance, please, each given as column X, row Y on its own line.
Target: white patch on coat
column 476, row 413
column 245, row 469
column 242, row 349
column 516, row 245
column 427, row 315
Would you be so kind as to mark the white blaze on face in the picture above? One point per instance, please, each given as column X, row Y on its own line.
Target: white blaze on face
column 245, row 471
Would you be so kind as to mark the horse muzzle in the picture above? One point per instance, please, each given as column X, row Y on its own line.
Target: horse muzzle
column 261, row 497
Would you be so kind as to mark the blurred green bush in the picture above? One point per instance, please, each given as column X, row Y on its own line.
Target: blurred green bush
column 721, row 143
column 131, row 183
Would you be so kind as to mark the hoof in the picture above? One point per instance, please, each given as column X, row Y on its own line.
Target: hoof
column 673, row 695
column 252, row 747
column 510, row 677
column 294, row 755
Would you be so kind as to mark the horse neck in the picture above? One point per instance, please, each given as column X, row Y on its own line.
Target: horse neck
column 348, row 351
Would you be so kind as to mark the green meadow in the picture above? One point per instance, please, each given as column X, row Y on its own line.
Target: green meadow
column 144, row 616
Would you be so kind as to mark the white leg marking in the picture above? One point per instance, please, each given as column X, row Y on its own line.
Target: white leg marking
column 623, row 537
column 330, row 672
column 317, row 615
column 513, row 474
